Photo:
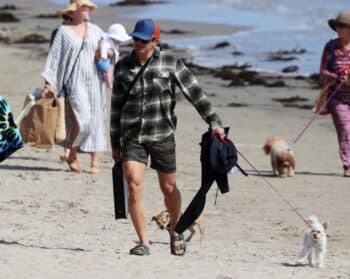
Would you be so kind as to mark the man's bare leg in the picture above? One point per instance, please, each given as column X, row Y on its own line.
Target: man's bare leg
column 134, row 173
column 172, row 199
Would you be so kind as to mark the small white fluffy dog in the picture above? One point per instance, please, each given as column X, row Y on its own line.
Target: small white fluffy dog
column 315, row 243
column 282, row 156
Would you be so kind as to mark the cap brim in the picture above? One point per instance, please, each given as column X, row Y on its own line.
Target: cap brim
column 141, row 36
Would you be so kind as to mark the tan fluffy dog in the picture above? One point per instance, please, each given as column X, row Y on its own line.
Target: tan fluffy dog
column 282, row 156
column 163, row 222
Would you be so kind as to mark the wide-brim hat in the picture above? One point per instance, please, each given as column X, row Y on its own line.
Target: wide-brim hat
column 75, row 5
column 343, row 18
column 223, row 155
column 118, row 32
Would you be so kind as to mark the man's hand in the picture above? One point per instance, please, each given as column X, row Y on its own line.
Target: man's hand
column 116, row 155
column 220, row 132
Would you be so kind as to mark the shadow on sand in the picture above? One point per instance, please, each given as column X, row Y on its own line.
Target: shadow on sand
column 269, row 174
column 27, row 168
column 6, row 242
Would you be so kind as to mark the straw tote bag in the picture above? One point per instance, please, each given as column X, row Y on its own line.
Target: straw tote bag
column 38, row 128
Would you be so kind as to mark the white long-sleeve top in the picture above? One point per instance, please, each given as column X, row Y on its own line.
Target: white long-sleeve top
column 108, row 43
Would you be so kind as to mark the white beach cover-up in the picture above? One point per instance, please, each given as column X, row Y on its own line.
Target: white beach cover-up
column 85, row 88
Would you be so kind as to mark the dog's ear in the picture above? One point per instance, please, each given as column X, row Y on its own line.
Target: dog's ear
column 325, row 225
column 267, row 148
column 154, row 218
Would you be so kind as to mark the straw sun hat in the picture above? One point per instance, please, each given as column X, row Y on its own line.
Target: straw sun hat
column 343, row 19
column 75, row 5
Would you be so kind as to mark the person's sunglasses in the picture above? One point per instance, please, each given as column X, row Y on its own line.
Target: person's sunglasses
column 341, row 25
column 142, row 41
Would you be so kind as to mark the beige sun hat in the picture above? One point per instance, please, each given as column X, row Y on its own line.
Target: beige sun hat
column 75, row 5
column 343, row 18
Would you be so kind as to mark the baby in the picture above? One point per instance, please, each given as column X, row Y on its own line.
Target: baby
column 109, row 51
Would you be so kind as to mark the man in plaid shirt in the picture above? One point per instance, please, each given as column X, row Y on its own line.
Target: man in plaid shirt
column 143, row 123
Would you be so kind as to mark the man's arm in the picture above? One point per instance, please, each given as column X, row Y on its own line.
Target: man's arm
column 194, row 93
column 119, row 96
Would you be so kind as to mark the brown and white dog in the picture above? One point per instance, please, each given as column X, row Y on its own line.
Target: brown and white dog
column 282, row 156
column 163, row 221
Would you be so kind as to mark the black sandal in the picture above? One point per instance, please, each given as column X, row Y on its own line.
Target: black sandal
column 140, row 250
column 180, row 249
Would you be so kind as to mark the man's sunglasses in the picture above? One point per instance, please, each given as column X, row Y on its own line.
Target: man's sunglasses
column 142, row 41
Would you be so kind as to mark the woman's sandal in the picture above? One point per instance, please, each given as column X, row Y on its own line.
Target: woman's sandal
column 140, row 250
column 177, row 249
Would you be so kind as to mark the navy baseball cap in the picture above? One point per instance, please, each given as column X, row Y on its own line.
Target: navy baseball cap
column 143, row 30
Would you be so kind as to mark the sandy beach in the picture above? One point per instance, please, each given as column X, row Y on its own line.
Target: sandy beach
column 58, row 224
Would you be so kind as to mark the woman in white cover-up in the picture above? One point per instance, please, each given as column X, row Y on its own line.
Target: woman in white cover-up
column 70, row 63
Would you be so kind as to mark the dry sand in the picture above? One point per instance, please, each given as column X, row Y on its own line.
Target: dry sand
column 57, row 224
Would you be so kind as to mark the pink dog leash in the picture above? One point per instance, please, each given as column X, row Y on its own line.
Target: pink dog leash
column 313, row 118
column 274, row 188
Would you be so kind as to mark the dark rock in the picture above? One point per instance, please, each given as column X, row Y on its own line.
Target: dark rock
column 48, row 16
column 237, row 66
column 8, row 17
column 290, row 100
column 136, row 3
column 299, row 106
column 290, row 69
column 4, row 38
column 289, row 52
column 236, row 105
column 316, row 80
column 32, row 38
column 278, row 57
column 197, row 69
column 315, row 77
column 277, row 83
column 164, row 46
column 295, row 102
column 237, row 53
column 8, row 7
column 237, row 82
column 225, row 74
column 221, row 45
column 175, row 32
column 285, row 55
column 248, row 75
column 256, row 80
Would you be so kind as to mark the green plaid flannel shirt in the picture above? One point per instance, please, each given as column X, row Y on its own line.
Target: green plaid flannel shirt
column 146, row 113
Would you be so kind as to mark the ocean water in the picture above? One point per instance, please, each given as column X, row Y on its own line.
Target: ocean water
column 273, row 25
